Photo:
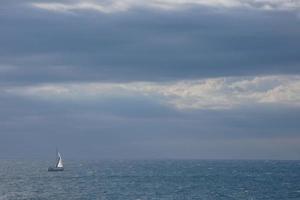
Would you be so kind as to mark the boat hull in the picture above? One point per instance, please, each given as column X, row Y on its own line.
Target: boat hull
column 55, row 169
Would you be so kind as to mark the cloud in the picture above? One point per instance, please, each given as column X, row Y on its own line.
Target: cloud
column 214, row 93
column 145, row 45
column 114, row 6
column 132, row 127
column 124, row 5
column 149, row 79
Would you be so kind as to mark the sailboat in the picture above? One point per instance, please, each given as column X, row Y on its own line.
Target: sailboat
column 59, row 164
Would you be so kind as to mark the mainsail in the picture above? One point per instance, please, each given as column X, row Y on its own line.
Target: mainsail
column 59, row 163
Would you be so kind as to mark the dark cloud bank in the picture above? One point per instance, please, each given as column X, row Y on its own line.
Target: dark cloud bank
column 146, row 44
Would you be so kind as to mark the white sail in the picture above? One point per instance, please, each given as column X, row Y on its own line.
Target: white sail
column 59, row 161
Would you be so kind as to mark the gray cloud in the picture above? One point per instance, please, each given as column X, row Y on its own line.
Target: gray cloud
column 144, row 44
column 141, row 128
column 214, row 93
column 113, row 6
column 46, row 51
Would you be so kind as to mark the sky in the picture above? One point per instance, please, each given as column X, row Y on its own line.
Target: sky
column 150, row 79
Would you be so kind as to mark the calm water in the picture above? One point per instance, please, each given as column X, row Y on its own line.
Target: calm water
column 134, row 180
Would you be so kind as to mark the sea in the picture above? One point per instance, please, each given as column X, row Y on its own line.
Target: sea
column 151, row 180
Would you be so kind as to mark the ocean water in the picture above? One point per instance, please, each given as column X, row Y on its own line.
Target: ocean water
column 160, row 179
